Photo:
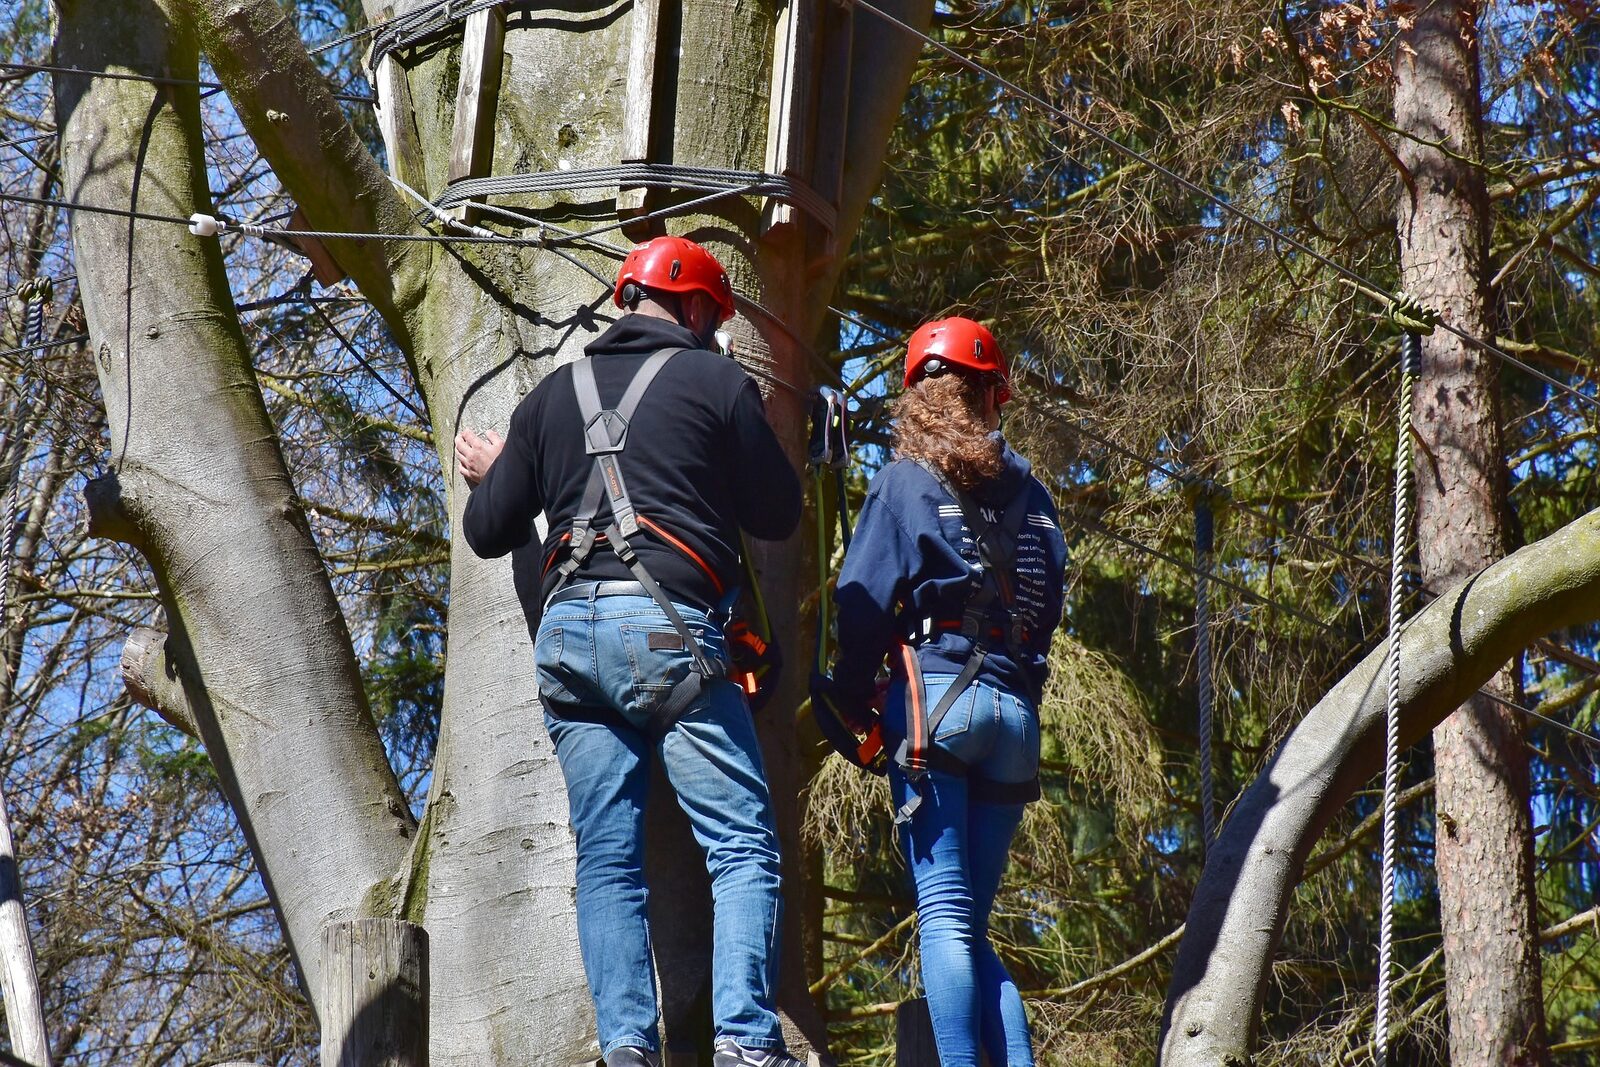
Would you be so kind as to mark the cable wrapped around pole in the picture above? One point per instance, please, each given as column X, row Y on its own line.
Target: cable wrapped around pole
column 1204, row 533
column 1410, row 362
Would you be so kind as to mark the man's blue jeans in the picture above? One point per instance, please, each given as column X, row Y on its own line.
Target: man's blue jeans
column 604, row 665
column 956, row 848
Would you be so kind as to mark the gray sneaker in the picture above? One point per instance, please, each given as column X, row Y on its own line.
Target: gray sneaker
column 732, row 1054
column 630, row 1056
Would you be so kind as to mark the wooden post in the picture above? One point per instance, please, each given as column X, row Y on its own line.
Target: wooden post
column 832, row 128
column 374, row 994
column 636, row 109
column 19, row 980
column 787, row 112
column 477, row 99
column 913, row 1035
column 396, row 119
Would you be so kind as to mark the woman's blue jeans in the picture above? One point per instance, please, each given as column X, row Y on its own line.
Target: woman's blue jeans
column 956, row 848
column 604, row 665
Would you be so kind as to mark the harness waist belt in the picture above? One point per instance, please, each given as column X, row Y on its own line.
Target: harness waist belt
column 596, row 590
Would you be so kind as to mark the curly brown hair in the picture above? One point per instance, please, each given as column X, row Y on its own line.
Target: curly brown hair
column 940, row 421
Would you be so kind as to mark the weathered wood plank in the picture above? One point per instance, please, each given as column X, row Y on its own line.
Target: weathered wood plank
column 324, row 268
column 788, row 112
column 913, row 1035
column 477, row 98
column 19, row 980
column 637, row 112
column 832, row 127
column 374, row 994
column 396, row 120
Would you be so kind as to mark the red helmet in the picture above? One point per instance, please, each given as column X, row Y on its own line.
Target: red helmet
column 676, row 265
column 956, row 342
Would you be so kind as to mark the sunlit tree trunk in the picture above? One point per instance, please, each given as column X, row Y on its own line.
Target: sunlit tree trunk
column 1484, row 840
column 489, row 871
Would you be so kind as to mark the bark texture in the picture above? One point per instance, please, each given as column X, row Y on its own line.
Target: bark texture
column 200, row 487
column 491, row 875
column 1484, row 843
column 1242, row 901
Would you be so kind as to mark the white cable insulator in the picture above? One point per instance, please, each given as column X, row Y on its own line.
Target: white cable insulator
column 1410, row 360
column 202, row 225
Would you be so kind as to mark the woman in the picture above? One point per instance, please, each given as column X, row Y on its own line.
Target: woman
column 955, row 574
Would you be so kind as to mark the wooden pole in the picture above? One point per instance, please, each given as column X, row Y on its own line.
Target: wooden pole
column 402, row 146
column 374, row 994
column 637, row 118
column 483, row 45
column 788, row 111
column 19, row 980
column 913, row 1035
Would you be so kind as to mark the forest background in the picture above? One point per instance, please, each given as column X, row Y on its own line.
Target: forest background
column 1169, row 361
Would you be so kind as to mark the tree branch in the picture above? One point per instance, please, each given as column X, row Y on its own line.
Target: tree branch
column 1449, row 649
column 288, row 107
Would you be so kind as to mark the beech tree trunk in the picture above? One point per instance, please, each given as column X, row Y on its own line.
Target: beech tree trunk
column 1484, row 839
column 490, row 872
column 199, row 485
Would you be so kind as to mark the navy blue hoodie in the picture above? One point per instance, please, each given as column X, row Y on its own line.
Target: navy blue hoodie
column 913, row 559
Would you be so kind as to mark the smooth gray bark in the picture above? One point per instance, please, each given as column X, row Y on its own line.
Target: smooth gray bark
column 200, row 487
column 1242, row 901
column 491, row 870
column 19, row 978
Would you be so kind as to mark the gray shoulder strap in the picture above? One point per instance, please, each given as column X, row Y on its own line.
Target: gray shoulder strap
column 583, row 384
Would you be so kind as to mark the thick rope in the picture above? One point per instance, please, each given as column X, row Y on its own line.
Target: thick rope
column 1203, row 546
column 1410, row 360
column 35, row 295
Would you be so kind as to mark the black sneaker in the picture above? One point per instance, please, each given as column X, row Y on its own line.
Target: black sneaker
column 630, row 1056
column 732, row 1054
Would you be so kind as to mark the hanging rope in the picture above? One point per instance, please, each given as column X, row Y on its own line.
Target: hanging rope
column 34, row 295
column 1410, row 361
column 1203, row 546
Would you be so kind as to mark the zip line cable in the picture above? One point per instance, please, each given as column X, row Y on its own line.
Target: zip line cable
column 1372, row 289
column 23, row 70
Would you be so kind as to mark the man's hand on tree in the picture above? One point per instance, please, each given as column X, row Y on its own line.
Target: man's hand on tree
column 475, row 455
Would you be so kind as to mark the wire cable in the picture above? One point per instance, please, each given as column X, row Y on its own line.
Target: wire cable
column 27, row 69
column 1371, row 289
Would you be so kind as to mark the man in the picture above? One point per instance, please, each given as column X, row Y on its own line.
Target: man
column 647, row 458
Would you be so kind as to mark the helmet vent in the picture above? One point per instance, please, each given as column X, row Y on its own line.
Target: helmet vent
column 677, row 266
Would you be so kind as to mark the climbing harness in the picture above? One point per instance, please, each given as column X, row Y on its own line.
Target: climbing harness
column 1416, row 320
column 990, row 593
column 605, row 438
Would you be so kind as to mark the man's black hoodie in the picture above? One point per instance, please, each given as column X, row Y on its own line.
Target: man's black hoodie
column 701, row 461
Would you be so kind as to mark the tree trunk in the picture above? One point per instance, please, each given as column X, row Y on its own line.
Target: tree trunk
column 1242, row 901
column 491, row 872
column 1484, row 841
column 200, row 487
